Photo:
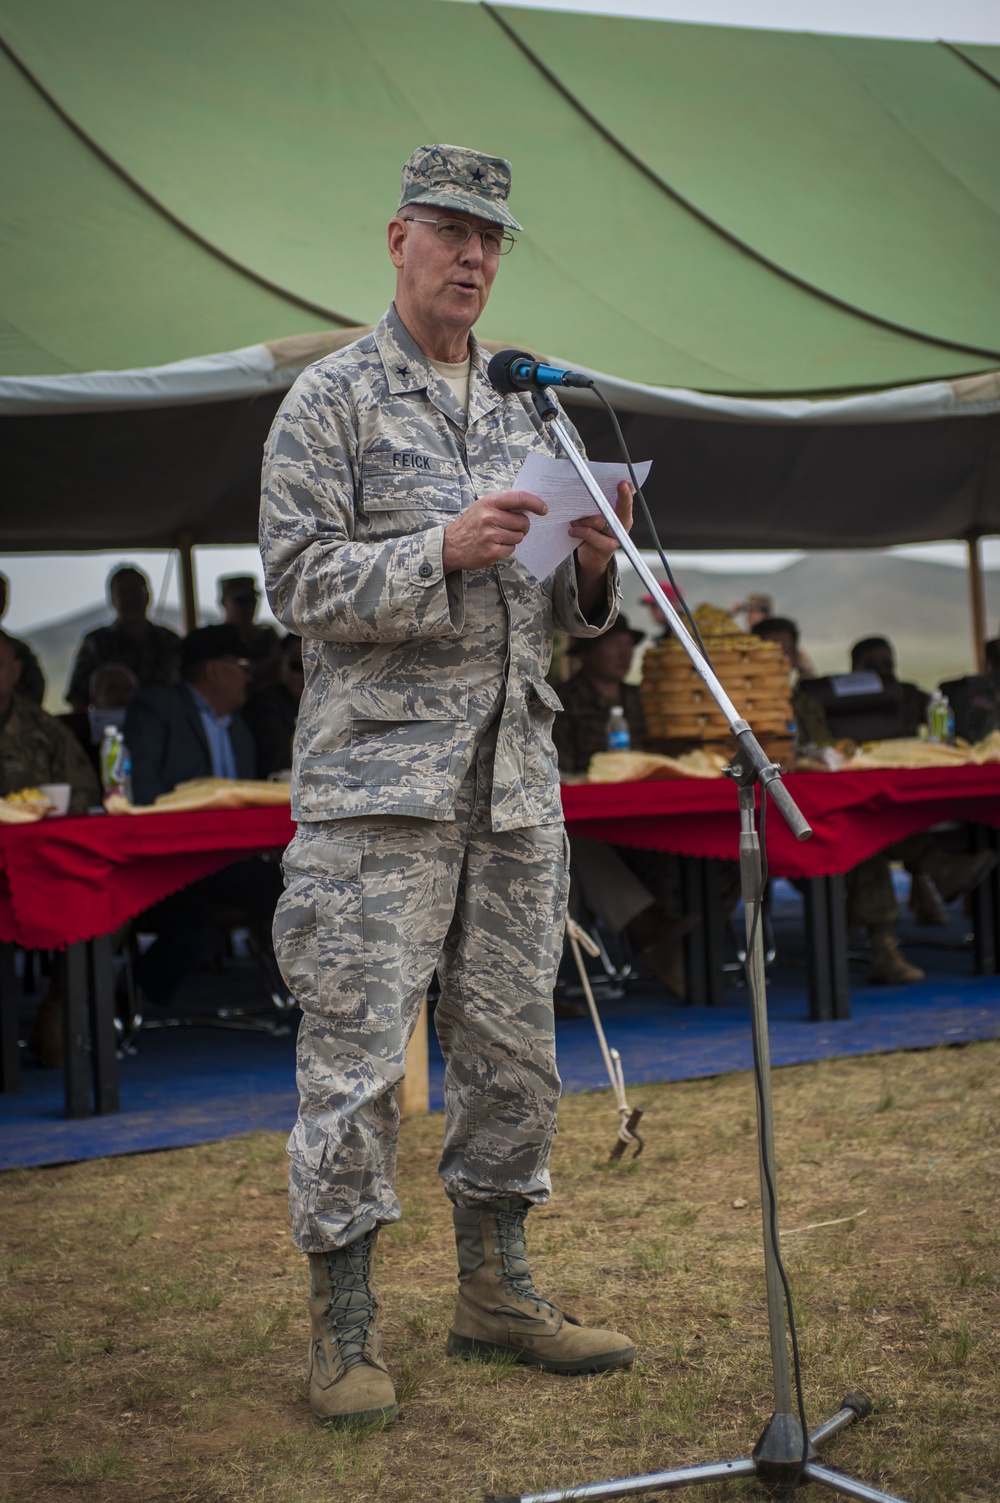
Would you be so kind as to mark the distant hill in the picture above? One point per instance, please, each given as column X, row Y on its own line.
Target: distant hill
column 837, row 598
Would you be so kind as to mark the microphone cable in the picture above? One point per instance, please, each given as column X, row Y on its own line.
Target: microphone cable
column 681, row 602
column 758, row 1072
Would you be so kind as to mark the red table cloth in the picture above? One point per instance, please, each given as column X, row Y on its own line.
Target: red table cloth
column 66, row 880
column 853, row 814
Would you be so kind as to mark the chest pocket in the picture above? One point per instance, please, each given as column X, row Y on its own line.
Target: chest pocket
column 406, row 480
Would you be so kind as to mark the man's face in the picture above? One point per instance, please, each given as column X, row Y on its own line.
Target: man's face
column 610, row 656
column 785, row 641
column 239, row 607
column 443, row 284
column 877, row 660
column 10, row 671
column 227, row 681
column 112, row 688
column 129, row 596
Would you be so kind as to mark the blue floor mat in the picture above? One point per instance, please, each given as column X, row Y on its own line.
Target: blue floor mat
column 199, row 1084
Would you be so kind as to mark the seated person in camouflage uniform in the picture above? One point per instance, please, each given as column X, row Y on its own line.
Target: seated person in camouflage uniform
column 34, row 747
column 629, row 890
column 151, row 652
column 871, row 900
column 31, row 684
column 877, row 655
column 426, row 793
column 810, row 721
column 975, row 699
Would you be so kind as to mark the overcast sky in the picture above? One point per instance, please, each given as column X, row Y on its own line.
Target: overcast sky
column 47, row 587
column 956, row 20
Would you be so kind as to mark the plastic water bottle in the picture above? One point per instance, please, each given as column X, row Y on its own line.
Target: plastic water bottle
column 115, row 763
column 792, row 731
column 940, row 720
column 617, row 736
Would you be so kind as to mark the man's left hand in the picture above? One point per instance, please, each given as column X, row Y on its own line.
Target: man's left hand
column 597, row 545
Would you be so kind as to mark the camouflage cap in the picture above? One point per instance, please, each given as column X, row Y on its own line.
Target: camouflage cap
column 453, row 177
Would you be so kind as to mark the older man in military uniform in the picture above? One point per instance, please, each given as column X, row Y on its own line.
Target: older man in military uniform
column 425, row 788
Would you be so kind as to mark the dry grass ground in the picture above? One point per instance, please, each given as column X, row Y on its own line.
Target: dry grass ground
column 153, row 1309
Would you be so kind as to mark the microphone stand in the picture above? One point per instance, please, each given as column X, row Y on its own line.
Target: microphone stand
column 784, row 1455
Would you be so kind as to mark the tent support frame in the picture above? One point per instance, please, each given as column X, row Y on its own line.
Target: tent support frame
column 189, row 599
column 977, row 600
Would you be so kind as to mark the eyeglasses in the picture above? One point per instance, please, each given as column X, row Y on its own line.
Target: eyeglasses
column 457, row 232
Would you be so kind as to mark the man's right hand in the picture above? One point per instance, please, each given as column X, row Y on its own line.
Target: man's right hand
column 489, row 531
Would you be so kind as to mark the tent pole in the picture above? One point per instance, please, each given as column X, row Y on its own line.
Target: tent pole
column 189, row 600
column 977, row 594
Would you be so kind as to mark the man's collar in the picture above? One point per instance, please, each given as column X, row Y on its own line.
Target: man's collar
column 205, row 708
column 408, row 369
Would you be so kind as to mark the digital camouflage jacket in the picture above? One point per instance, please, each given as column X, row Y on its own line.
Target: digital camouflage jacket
column 35, row 748
column 368, row 460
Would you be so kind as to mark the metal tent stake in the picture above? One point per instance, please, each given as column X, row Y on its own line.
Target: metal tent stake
column 778, row 1454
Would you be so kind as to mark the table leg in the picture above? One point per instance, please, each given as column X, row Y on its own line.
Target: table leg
column 713, row 933
column 826, row 948
column 10, row 1055
column 840, row 982
column 818, row 965
column 104, row 1060
column 76, row 1032
column 414, row 1092
column 701, row 893
column 985, row 908
column 695, row 959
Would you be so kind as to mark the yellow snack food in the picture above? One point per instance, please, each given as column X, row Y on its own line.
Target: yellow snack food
column 207, row 793
column 24, row 807
column 909, row 752
column 630, row 767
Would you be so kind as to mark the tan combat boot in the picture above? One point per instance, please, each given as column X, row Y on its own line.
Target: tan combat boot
column 348, row 1383
column 889, row 966
column 499, row 1311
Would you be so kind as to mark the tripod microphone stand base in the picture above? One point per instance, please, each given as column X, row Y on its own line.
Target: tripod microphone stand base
column 775, row 1463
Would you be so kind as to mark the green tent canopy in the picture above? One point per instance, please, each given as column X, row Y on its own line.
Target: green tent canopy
column 780, row 248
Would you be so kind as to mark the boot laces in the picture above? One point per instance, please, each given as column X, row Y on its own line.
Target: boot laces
column 350, row 1312
column 513, row 1256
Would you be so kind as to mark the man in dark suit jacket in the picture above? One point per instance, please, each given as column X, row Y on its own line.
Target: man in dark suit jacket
column 194, row 730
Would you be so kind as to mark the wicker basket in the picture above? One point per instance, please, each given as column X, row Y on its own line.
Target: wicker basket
column 681, row 713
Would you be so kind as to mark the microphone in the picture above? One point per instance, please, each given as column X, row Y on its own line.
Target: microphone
column 516, row 370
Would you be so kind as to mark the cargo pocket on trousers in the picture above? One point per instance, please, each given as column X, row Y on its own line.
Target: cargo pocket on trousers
column 319, row 935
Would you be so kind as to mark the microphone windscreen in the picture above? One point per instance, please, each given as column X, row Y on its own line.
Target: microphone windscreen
column 500, row 369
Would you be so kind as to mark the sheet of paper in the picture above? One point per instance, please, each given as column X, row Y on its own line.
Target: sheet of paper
column 564, row 493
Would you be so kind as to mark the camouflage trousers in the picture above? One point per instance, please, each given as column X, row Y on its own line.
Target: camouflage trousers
column 871, row 898
column 371, row 907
